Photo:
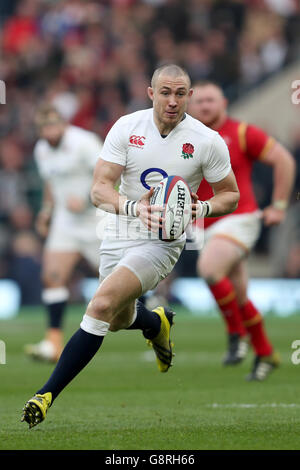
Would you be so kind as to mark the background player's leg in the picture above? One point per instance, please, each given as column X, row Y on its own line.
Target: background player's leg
column 216, row 261
column 57, row 268
column 266, row 359
column 252, row 318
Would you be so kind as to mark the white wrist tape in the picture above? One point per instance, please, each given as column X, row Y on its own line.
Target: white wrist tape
column 93, row 326
column 130, row 208
column 204, row 209
column 280, row 204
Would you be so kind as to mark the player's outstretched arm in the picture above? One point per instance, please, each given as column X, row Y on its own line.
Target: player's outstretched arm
column 284, row 171
column 225, row 199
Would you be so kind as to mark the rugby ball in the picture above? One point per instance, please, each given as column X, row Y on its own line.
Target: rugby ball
column 174, row 195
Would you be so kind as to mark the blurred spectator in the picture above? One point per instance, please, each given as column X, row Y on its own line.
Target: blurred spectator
column 283, row 7
column 13, row 200
column 297, row 158
column 273, row 52
column 225, row 65
column 285, row 245
column 7, row 9
column 93, row 60
column 285, row 240
column 139, row 99
column 21, row 28
column 196, row 60
column 251, row 66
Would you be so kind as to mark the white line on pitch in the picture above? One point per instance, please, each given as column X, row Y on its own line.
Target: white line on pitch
column 253, row 405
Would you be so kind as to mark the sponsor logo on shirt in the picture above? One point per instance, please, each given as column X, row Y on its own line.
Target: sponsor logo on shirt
column 137, row 141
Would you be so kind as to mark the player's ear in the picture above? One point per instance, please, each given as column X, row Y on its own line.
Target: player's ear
column 150, row 92
column 190, row 92
column 225, row 100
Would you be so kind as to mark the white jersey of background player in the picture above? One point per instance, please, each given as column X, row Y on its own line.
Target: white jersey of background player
column 65, row 156
column 68, row 170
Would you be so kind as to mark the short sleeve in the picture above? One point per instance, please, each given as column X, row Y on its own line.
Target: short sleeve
column 258, row 143
column 92, row 147
column 218, row 163
column 115, row 145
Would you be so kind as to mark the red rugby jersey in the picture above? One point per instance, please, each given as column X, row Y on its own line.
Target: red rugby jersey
column 246, row 143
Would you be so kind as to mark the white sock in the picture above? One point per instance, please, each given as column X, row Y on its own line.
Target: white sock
column 94, row 326
column 54, row 295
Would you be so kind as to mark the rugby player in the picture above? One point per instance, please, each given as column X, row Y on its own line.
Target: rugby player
column 142, row 148
column 230, row 238
column 66, row 156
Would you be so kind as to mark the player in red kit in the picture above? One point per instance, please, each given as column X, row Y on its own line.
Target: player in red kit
column 228, row 239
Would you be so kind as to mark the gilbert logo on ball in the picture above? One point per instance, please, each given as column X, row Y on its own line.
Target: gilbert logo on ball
column 174, row 195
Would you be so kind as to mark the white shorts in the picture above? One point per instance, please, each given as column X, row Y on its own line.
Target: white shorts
column 242, row 229
column 150, row 260
column 87, row 245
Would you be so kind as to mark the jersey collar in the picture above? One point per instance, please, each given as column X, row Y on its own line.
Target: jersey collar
column 178, row 126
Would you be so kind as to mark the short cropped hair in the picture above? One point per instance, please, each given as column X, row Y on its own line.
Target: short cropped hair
column 203, row 83
column 47, row 114
column 172, row 70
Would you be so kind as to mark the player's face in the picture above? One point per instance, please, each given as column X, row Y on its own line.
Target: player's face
column 207, row 104
column 170, row 99
column 53, row 133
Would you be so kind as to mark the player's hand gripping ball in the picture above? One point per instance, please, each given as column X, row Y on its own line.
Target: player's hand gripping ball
column 174, row 195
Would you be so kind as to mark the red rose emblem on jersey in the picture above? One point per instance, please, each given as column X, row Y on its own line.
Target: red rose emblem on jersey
column 187, row 151
column 188, row 148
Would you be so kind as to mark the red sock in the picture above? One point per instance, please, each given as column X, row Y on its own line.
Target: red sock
column 224, row 294
column 253, row 322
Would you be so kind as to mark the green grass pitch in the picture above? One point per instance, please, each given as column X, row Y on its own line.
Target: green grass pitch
column 121, row 400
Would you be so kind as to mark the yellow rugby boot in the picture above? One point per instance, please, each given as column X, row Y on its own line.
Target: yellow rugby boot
column 35, row 409
column 161, row 343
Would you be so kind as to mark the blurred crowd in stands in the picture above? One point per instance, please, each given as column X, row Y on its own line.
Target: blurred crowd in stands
column 93, row 60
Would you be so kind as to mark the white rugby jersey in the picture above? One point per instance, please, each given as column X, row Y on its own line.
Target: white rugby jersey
column 191, row 150
column 68, row 169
